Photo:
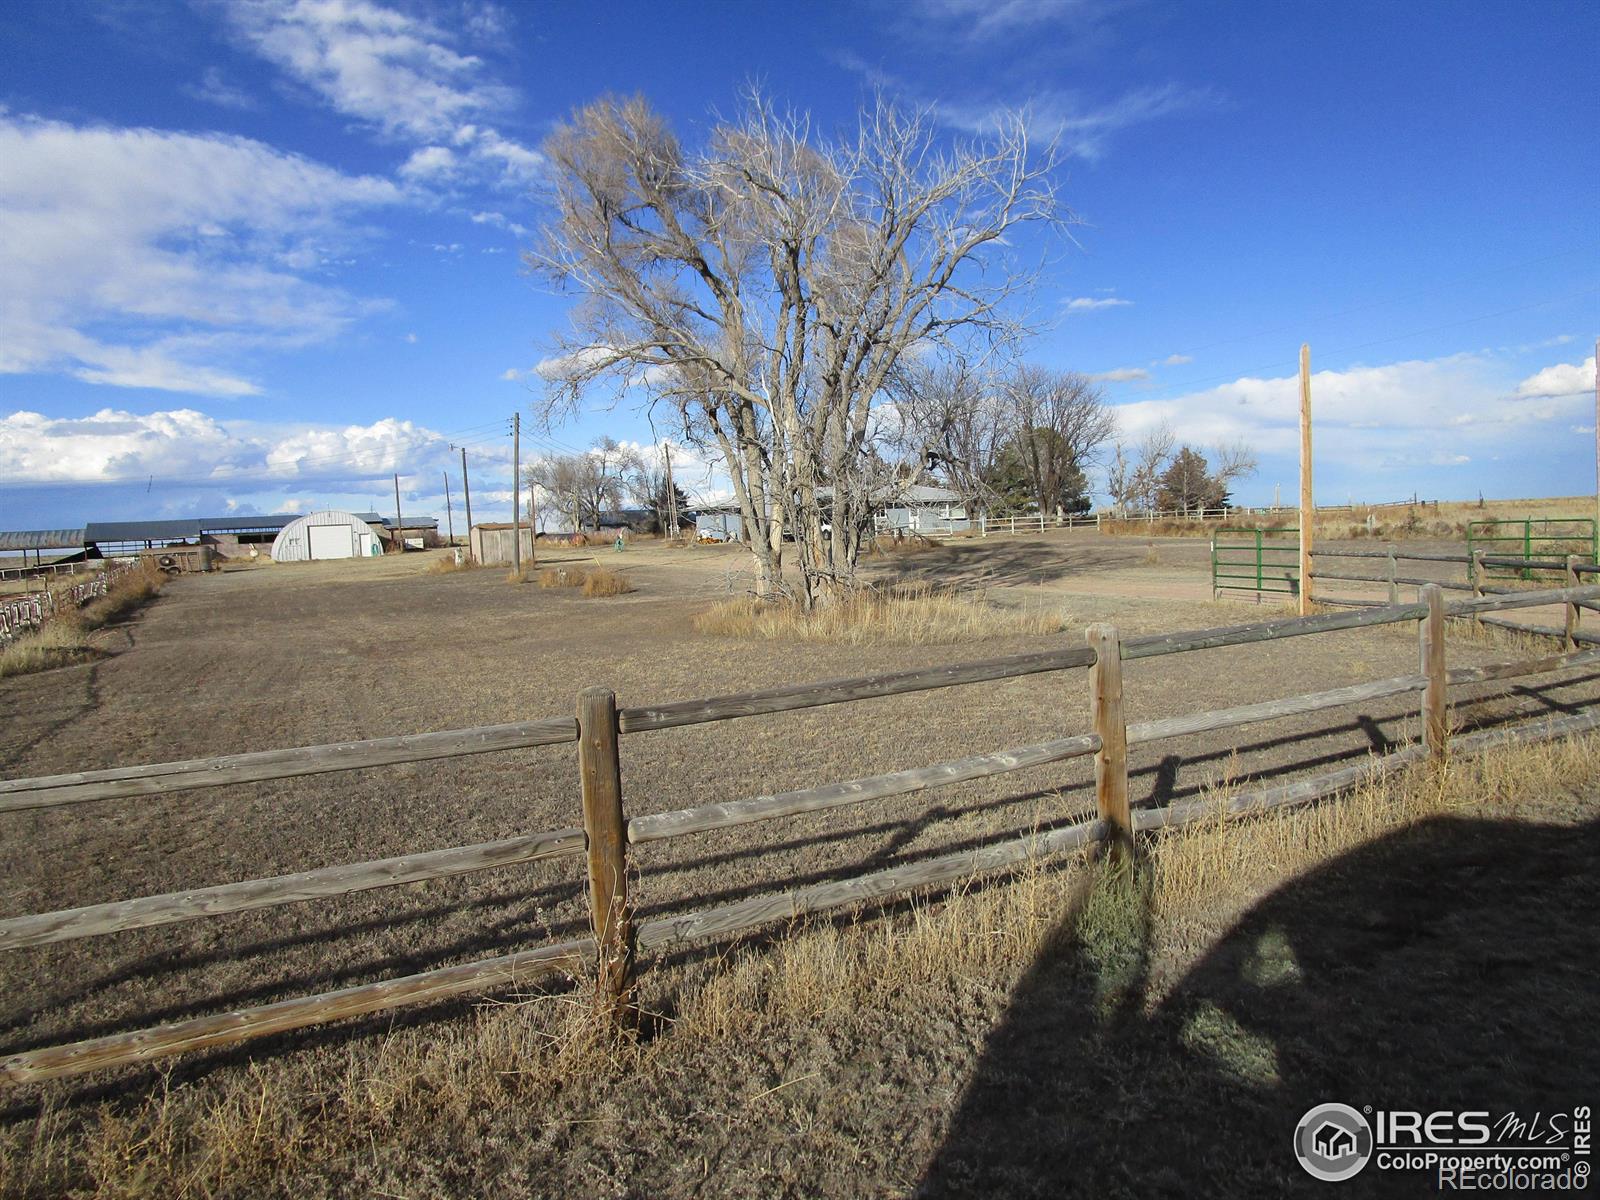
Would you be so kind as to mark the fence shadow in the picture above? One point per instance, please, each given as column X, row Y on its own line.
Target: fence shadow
column 1446, row 966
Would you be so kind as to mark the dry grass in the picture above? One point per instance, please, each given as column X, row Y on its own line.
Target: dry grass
column 909, row 614
column 449, row 565
column 592, row 581
column 916, row 543
column 67, row 639
column 540, row 1074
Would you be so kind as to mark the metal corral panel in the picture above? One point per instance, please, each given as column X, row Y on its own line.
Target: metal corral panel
column 331, row 533
column 42, row 539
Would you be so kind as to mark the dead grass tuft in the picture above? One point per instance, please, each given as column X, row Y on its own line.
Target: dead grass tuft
column 593, row 581
column 916, row 543
column 910, row 614
column 448, row 565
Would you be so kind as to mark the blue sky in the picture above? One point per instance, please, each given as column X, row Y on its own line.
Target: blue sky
column 257, row 255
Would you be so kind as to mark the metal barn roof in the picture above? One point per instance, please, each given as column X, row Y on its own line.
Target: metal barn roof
column 42, row 539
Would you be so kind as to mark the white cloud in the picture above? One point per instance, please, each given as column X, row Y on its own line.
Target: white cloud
column 1176, row 360
column 399, row 73
column 500, row 221
column 214, row 89
column 1122, row 375
column 184, row 445
column 430, row 163
column 1434, row 412
column 1091, row 303
column 1563, row 379
column 142, row 258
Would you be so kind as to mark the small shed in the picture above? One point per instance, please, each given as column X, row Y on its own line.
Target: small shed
column 330, row 533
column 493, row 542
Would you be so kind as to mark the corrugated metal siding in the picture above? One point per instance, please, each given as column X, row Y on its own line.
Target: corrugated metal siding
column 42, row 539
column 293, row 544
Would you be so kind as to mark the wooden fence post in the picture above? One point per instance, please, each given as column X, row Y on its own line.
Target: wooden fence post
column 1394, row 586
column 1436, row 729
column 608, row 856
column 1572, row 605
column 1111, row 761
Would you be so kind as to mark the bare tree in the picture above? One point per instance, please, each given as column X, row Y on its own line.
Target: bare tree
column 766, row 285
column 1060, row 421
column 585, row 487
column 950, row 422
column 1231, row 462
column 1135, row 471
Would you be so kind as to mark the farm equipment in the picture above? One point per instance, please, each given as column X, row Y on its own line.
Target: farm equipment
column 180, row 560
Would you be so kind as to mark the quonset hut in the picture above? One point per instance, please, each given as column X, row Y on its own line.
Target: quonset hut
column 326, row 534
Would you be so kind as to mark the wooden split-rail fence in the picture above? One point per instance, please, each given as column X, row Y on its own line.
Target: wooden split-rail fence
column 608, row 831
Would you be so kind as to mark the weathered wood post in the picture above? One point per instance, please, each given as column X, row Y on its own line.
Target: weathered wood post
column 1476, row 571
column 1111, row 761
column 1435, row 723
column 1572, row 605
column 608, row 856
column 1394, row 585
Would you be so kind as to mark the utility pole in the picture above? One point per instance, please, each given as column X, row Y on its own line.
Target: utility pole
column 466, row 489
column 516, row 492
column 1597, row 438
column 1308, row 512
column 672, row 493
column 448, row 515
column 399, row 528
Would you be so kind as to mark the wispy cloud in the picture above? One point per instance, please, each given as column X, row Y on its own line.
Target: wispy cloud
column 1093, row 303
column 1081, row 126
column 1122, row 375
column 1176, row 360
column 141, row 258
column 214, row 89
column 401, row 74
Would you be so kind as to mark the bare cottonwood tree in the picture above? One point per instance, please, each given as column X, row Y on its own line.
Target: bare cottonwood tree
column 585, row 487
column 1134, row 474
column 951, row 422
column 766, row 285
column 1060, row 421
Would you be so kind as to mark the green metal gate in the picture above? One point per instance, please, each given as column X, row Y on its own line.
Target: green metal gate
column 1551, row 538
column 1244, row 560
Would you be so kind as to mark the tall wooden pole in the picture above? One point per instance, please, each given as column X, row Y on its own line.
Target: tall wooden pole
column 1308, row 511
column 1597, row 439
column 672, row 494
column 399, row 527
column 466, row 491
column 448, row 515
column 516, row 492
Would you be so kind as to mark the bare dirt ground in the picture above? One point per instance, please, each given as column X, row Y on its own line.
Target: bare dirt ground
column 279, row 656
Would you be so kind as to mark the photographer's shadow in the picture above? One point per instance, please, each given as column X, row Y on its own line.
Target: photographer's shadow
column 1447, row 966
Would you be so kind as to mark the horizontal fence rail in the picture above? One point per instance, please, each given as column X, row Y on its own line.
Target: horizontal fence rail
column 159, row 778
column 607, row 832
column 119, row 916
column 839, row 691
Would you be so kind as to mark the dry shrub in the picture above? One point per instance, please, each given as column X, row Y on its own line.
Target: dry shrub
column 593, row 581
column 907, row 614
column 449, row 565
column 1152, row 556
column 519, row 576
column 916, row 543
column 602, row 581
